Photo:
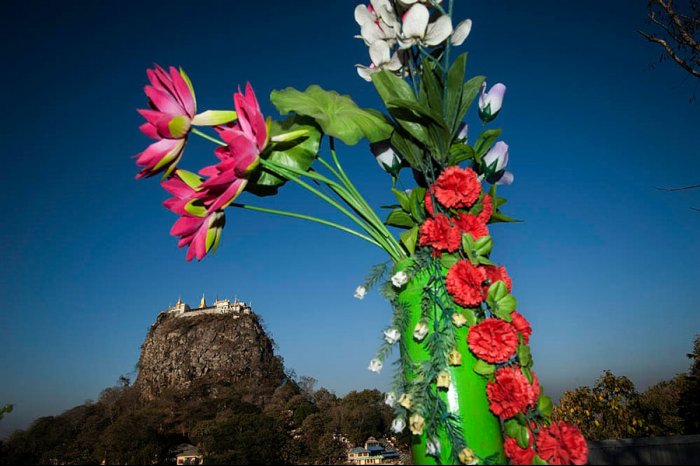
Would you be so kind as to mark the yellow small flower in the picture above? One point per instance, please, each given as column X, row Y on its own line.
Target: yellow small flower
column 588, row 413
column 597, row 424
column 467, row 456
column 405, row 401
column 458, row 319
column 455, row 358
column 416, row 424
column 443, row 379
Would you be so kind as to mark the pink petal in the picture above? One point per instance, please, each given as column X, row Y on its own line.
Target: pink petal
column 182, row 90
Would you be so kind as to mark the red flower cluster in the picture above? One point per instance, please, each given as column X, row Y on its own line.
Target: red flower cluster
column 511, row 393
column 464, row 283
column 519, row 455
column 493, row 340
column 457, row 187
column 494, row 274
column 561, row 443
column 522, row 326
column 468, row 223
column 439, row 233
column 487, row 211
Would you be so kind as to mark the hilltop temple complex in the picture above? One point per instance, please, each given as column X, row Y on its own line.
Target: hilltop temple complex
column 220, row 306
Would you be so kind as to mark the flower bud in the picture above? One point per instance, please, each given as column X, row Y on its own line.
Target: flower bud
column 386, row 157
column 405, row 401
column 490, row 102
column 375, row 365
column 420, row 331
column 390, row 399
column 455, row 358
column 458, row 319
column 398, row 425
column 392, row 335
column 399, row 279
column 360, row 292
column 443, row 379
column 416, row 424
column 467, row 456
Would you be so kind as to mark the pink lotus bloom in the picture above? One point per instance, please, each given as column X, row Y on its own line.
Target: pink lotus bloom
column 201, row 202
column 172, row 107
column 198, row 227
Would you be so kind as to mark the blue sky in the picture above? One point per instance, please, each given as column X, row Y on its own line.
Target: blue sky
column 604, row 266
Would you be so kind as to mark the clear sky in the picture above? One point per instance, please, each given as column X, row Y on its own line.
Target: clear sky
column 604, row 266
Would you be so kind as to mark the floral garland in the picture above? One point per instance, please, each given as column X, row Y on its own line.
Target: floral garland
column 445, row 245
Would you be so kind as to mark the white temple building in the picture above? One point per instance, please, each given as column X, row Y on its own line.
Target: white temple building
column 220, row 306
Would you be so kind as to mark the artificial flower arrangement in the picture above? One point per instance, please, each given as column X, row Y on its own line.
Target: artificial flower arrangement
column 464, row 383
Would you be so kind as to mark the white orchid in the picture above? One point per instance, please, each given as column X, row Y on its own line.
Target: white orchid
column 378, row 22
column 375, row 365
column 461, row 32
column 392, row 335
column 411, row 2
column 360, row 292
column 382, row 59
column 399, row 279
column 416, row 28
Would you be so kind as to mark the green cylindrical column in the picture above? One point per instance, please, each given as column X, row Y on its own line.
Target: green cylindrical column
column 481, row 428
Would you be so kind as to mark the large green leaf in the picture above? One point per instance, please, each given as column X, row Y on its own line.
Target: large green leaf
column 296, row 153
column 336, row 114
column 455, row 86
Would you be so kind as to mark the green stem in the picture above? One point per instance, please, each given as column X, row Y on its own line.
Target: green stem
column 207, row 137
column 306, row 217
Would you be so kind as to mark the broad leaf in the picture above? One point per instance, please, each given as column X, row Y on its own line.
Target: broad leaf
column 399, row 218
column 409, row 239
column 336, row 114
column 298, row 153
column 483, row 368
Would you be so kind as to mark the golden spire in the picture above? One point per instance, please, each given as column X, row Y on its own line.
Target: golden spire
column 179, row 300
column 203, row 302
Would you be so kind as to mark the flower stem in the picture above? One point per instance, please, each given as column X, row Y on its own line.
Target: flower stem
column 306, row 217
column 207, row 137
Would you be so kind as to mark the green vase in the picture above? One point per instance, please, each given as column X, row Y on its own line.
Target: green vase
column 467, row 395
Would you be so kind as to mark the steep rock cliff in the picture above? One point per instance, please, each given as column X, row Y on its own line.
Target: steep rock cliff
column 211, row 350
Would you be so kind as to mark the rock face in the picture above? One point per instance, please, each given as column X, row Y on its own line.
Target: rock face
column 210, row 351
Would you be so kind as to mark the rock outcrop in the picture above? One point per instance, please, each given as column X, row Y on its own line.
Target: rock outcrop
column 210, row 351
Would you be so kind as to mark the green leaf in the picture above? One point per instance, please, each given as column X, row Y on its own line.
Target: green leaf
column 469, row 92
column 410, row 238
column 455, row 88
column 417, row 108
column 214, row 117
column 460, row 152
column 499, row 217
column 391, row 87
column 399, row 218
column 497, row 291
column 402, row 197
column 192, row 180
column 470, row 314
column 483, row 368
column 336, row 114
column 508, row 303
column 537, row 460
column 485, row 141
column 448, row 260
column 544, row 406
column 483, row 245
column 298, row 153
column 512, row 428
column 527, row 373
column 523, row 437
column 484, row 261
column 416, row 204
column 524, row 355
column 407, row 149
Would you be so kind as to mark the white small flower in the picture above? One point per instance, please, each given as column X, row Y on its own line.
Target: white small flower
column 490, row 102
column 420, row 331
column 382, row 59
column 432, row 447
column 392, row 335
column 398, row 425
column 495, row 162
column 390, row 399
column 360, row 292
column 375, row 365
column 463, row 133
column 386, row 157
column 399, row 279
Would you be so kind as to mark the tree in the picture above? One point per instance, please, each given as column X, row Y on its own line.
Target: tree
column 609, row 410
column 659, row 405
column 5, row 410
column 677, row 28
column 689, row 403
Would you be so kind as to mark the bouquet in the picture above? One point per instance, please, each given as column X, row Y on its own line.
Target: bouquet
column 464, row 384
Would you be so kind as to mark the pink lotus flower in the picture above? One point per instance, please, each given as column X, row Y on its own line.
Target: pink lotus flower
column 172, row 107
column 201, row 202
column 172, row 112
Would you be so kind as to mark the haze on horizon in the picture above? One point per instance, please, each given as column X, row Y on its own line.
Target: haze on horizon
column 604, row 265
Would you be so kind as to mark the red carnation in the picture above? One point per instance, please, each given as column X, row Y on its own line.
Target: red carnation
column 493, row 340
column 494, row 274
column 428, row 201
column 472, row 224
column 457, row 187
column 519, row 455
column 487, row 211
column 522, row 326
column 439, row 233
column 464, row 283
column 561, row 443
column 510, row 393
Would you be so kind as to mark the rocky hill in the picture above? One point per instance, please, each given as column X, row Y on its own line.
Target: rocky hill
column 213, row 350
